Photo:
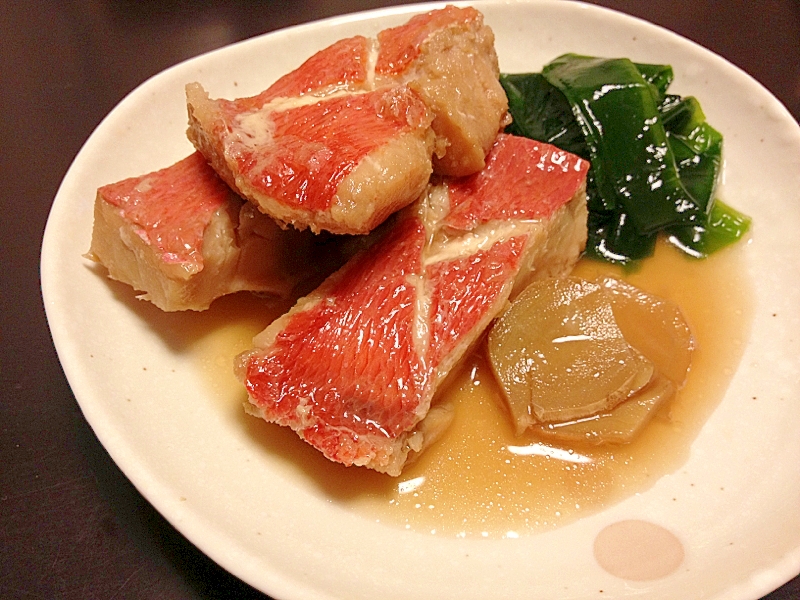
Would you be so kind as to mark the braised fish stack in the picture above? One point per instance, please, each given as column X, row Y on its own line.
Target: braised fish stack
column 355, row 132
column 404, row 125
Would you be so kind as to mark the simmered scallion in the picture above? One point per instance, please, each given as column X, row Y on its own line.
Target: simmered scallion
column 655, row 159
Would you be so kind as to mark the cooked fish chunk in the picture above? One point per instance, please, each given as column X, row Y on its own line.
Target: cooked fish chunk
column 354, row 366
column 342, row 163
column 448, row 56
column 183, row 238
column 355, row 132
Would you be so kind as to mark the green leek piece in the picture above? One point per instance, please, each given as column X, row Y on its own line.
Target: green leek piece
column 602, row 110
column 542, row 113
column 696, row 145
column 613, row 239
column 617, row 110
column 698, row 149
column 724, row 226
column 658, row 75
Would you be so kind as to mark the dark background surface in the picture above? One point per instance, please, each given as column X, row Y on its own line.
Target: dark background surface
column 71, row 525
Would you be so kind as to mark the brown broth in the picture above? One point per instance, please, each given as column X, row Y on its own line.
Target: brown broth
column 482, row 480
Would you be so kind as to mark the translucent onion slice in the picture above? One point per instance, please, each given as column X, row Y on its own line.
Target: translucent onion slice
column 559, row 355
column 621, row 424
column 654, row 326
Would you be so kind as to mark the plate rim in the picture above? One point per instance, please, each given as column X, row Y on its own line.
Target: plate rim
column 144, row 481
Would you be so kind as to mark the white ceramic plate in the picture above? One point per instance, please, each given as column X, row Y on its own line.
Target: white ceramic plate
column 269, row 525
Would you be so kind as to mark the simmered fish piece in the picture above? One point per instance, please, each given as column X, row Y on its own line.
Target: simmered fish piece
column 183, row 238
column 353, row 368
column 355, row 132
column 342, row 163
column 448, row 57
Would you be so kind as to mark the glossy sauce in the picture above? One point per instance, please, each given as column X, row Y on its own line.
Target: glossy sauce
column 480, row 479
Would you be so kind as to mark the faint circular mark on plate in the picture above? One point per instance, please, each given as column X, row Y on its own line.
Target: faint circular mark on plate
column 638, row 550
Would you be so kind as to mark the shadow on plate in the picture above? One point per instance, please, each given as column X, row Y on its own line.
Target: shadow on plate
column 180, row 331
column 337, row 482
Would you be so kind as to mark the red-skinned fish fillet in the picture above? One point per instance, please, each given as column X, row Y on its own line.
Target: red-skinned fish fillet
column 354, row 366
column 447, row 56
column 355, row 132
column 183, row 238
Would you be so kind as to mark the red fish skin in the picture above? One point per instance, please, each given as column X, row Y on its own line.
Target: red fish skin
column 316, row 146
column 354, row 366
column 336, row 374
column 172, row 207
column 530, row 175
column 400, row 46
column 307, row 173
column 342, row 65
column 465, row 290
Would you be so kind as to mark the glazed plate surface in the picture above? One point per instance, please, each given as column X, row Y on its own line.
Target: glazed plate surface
column 266, row 521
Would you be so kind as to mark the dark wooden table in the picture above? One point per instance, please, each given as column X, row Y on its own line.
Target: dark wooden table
column 71, row 525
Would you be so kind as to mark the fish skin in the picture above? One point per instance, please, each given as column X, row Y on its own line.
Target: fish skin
column 353, row 368
column 342, row 65
column 312, row 149
column 182, row 238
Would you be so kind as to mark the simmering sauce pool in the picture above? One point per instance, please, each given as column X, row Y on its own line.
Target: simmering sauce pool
column 482, row 480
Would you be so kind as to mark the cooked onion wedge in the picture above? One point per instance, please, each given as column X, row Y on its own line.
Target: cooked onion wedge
column 621, row 424
column 654, row 326
column 588, row 361
column 559, row 354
